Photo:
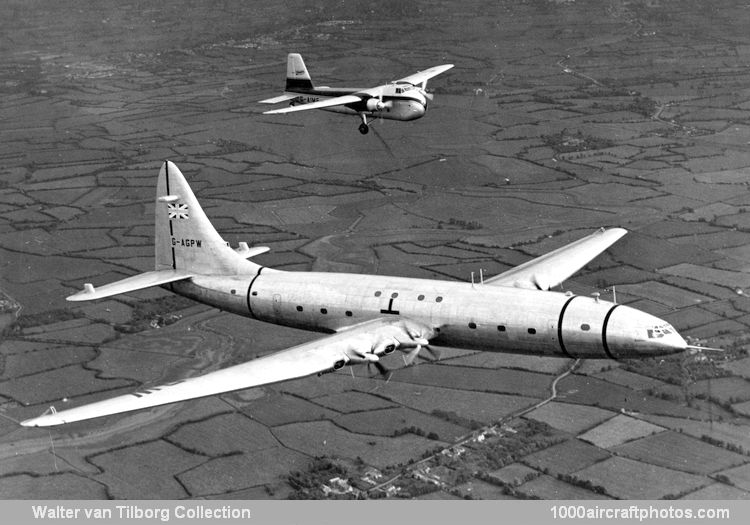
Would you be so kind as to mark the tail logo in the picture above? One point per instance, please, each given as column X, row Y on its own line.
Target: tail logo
column 178, row 211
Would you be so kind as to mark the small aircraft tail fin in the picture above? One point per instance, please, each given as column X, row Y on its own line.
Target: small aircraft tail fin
column 297, row 77
column 185, row 239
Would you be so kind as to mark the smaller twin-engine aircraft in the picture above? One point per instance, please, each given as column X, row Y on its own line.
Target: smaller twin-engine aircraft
column 404, row 99
column 368, row 316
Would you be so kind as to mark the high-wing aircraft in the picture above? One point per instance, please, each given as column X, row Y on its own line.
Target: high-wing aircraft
column 367, row 316
column 403, row 99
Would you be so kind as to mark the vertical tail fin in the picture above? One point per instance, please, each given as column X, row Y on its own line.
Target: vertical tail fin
column 184, row 237
column 297, row 77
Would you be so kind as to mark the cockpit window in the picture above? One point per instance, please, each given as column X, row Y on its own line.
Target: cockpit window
column 660, row 331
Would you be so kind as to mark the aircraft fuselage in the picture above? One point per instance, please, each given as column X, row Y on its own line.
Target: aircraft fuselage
column 476, row 317
column 399, row 102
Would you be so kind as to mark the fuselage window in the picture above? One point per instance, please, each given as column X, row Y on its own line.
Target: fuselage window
column 472, row 325
column 394, row 295
column 348, row 313
column 255, row 293
column 233, row 291
column 299, row 308
column 420, row 298
column 532, row 331
column 501, row 328
column 377, row 294
column 438, row 299
column 323, row 311
column 585, row 327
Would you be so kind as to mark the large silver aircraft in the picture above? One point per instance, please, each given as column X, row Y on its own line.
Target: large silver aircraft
column 403, row 99
column 367, row 316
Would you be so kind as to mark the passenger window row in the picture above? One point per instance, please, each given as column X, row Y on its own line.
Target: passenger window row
column 420, row 297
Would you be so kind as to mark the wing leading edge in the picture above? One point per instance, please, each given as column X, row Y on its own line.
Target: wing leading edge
column 554, row 267
column 425, row 75
column 358, row 344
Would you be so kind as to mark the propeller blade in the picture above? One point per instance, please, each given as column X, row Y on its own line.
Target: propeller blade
column 434, row 353
column 412, row 355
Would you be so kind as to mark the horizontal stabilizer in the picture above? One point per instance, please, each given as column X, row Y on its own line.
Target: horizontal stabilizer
column 131, row 284
column 248, row 252
column 276, row 100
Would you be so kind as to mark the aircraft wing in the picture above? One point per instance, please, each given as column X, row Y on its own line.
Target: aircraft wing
column 554, row 267
column 357, row 344
column 327, row 103
column 422, row 76
column 131, row 284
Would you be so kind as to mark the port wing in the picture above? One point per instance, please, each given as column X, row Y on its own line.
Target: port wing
column 554, row 267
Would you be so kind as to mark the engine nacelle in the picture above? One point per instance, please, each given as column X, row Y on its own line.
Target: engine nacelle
column 375, row 104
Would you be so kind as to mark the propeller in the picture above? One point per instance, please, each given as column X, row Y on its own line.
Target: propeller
column 417, row 343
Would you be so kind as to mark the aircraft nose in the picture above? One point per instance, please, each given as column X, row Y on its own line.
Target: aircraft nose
column 632, row 333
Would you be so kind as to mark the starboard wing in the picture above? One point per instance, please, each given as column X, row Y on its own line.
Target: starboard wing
column 423, row 76
column 327, row 103
column 551, row 269
column 351, row 345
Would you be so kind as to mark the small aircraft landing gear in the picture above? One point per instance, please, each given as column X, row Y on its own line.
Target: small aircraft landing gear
column 364, row 128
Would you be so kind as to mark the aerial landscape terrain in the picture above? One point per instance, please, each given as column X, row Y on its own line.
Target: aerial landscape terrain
column 559, row 117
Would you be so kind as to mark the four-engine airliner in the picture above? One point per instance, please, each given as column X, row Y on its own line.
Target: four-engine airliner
column 403, row 99
column 367, row 316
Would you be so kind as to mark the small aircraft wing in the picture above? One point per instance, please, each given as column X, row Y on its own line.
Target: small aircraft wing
column 423, row 76
column 361, row 343
column 131, row 284
column 327, row 103
column 551, row 269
